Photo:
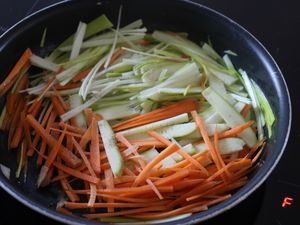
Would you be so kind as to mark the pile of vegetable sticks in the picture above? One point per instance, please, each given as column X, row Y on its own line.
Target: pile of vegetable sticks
column 146, row 138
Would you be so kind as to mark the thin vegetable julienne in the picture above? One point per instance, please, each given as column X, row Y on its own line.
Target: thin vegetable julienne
column 153, row 181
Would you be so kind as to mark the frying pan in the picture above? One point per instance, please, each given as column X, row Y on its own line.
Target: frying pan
column 200, row 23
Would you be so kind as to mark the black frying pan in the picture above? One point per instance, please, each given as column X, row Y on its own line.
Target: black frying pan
column 177, row 15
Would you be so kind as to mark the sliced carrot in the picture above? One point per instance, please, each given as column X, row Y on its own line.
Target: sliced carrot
column 145, row 172
column 50, row 121
column 72, row 128
column 77, row 205
column 180, row 151
column 67, row 86
column 169, row 213
column 117, row 54
column 109, row 183
column 159, row 114
column 50, row 159
column 76, row 173
column 94, row 147
column 57, row 105
column 13, row 75
column 88, row 115
column 236, row 130
column 81, row 75
column 125, row 212
column 71, row 159
column 245, row 110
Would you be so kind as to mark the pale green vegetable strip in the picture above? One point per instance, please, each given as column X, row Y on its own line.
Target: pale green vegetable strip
column 95, row 26
column 78, row 40
column 230, row 115
column 43, row 63
column 226, row 146
column 112, row 151
column 76, row 101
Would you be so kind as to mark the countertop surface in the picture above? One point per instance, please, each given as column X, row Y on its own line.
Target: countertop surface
column 275, row 23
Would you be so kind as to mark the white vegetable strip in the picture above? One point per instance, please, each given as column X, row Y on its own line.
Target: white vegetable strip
column 226, row 146
column 230, row 115
column 79, row 36
column 255, row 104
column 76, row 101
column 43, row 63
column 68, row 115
column 5, row 170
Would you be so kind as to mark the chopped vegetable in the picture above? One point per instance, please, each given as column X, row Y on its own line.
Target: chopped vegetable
column 137, row 128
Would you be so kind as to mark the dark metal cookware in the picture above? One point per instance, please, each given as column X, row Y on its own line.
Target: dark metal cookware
column 178, row 15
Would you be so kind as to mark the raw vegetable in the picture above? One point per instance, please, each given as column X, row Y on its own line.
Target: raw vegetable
column 136, row 127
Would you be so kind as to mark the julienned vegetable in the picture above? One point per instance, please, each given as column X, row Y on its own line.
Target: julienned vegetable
column 151, row 127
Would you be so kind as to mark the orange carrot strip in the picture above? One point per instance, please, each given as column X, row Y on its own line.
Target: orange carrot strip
column 82, row 205
column 37, row 137
column 109, row 183
column 169, row 213
column 196, row 190
column 50, row 158
column 125, row 212
column 72, row 128
column 76, row 173
column 88, row 115
column 64, row 105
column 50, row 122
column 154, row 188
column 226, row 173
column 116, row 55
column 10, row 102
column 236, row 130
column 57, row 105
column 94, row 147
column 86, row 137
column 173, row 178
column 254, row 149
column 145, row 172
column 180, row 151
column 206, row 139
column 67, row 86
column 13, row 75
column 159, row 114
column 187, row 184
column 71, row 159
column 245, row 110
column 67, row 186
column 81, row 75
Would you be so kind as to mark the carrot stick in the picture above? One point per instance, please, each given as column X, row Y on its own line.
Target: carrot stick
column 82, row 205
column 158, row 114
column 71, row 128
column 145, row 172
column 206, row 139
column 11, row 101
column 116, row 55
column 67, row 186
column 109, row 183
column 57, row 105
column 94, row 147
column 125, row 212
column 76, row 173
column 81, row 75
column 187, row 184
column 245, row 110
column 50, row 122
column 236, row 130
column 50, row 159
column 170, row 213
column 13, row 75
column 180, row 151
column 88, row 115
column 71, row 159
column 59, row 87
